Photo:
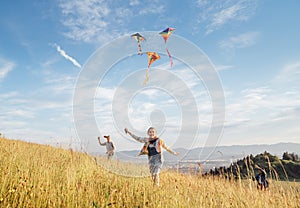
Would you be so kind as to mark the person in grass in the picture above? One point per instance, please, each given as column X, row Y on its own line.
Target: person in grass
column 110, row 147
column 261, row 178
column 153, row 148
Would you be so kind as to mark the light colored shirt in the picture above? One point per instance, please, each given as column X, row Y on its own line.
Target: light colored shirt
column 110, row 147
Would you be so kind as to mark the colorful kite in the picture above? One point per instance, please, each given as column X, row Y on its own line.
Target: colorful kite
column 138, row 37
column 152, row 56
column 165, row 34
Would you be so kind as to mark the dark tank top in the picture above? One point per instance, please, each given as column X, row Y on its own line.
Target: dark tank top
column 151, row 148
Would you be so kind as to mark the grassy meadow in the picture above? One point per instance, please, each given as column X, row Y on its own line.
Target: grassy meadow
column 33, row 175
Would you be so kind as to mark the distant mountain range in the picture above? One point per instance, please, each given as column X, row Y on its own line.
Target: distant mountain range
column 220, row 155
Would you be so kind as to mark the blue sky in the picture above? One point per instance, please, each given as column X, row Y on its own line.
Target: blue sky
column 253, row 45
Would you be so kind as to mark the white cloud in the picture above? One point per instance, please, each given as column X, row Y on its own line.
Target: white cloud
column 88, row 20
column 255, row 94
column 289, row 73
column 105, row 94
column 100, row 21
column 8, row 95
column 54, row 98
column 240, row 41
column 225, row 15
column 152, row 9
column 55, row 84
column 134, row 2
column 66, row 56
column 5, row 68
column 263, row 114
column 219, row 13
column 8, row 125
column 151, row 92
column 223, row 67
column 23, row 113
column 84, row 20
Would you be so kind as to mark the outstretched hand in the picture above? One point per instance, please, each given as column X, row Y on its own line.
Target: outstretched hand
column 126, row 130
column 176, row 153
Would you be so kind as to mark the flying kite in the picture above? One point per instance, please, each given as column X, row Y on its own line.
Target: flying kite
column 138, row 37
column 165, row 34
column 152, row 56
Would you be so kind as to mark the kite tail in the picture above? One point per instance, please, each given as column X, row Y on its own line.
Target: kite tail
column 171, row 60
column 147, row 77
column 140, row 48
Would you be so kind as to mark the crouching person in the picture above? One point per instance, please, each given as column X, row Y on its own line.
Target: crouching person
column 261, row 178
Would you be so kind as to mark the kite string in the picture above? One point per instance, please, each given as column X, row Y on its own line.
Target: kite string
column 147, row 77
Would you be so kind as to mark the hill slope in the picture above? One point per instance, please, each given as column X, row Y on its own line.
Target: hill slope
column 276, row 168
column 226, row 153
column 34, row 175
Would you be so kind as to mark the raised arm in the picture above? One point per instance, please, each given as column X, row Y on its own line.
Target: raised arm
column 168, row 148
column 137, row 138
column 261, row 169
column 102, row 144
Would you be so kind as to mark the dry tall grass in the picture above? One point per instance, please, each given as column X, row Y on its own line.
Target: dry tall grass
column 33, row 175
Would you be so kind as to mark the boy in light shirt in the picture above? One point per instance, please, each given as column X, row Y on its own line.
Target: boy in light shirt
column 110, row 147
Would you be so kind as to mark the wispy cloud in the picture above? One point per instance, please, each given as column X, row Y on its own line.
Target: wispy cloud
column 5, row 68
column 66, row 56
column 134, row 2
column 59, row 84
column 84, row 20
column 152, row 9
column 272, row 107
column 23, row 113
column 224, row 16
column 8, row 95
column 105, row 93
column 99, row 21
column 224, row 67
column 219, row 13
column 290, row 72
column 241, row 41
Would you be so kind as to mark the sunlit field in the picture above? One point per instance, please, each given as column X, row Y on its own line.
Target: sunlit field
column 33, row 175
